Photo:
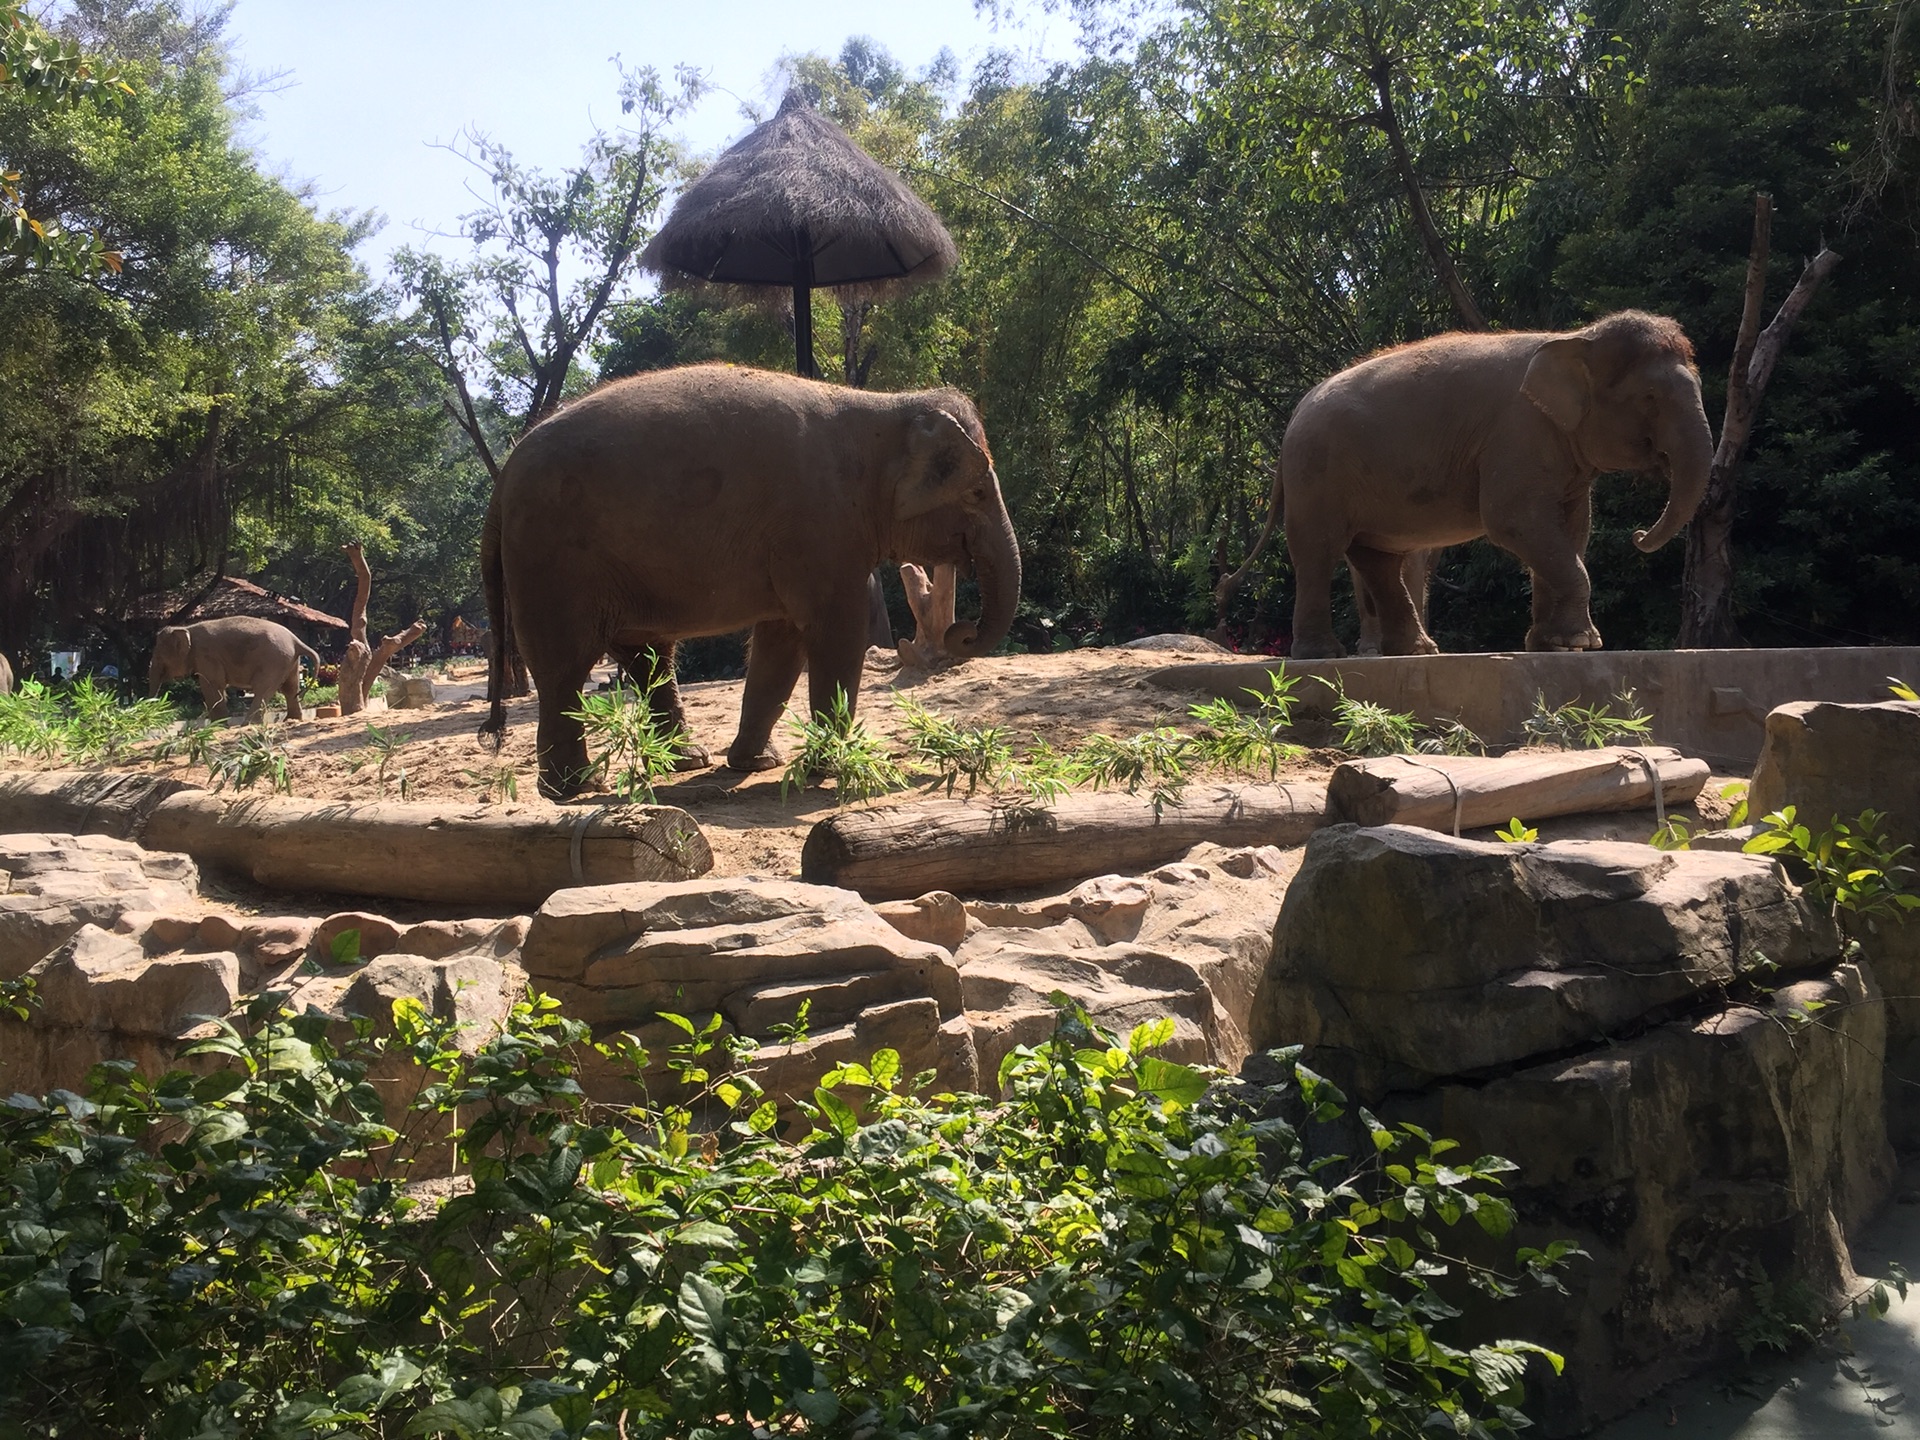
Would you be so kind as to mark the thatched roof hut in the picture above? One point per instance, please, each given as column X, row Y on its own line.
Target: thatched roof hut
column 230, row 595
column 798, row 204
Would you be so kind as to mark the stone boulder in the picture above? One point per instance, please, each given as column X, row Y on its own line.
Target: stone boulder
column 1403, row 956
column 1687, row 1162
column 754, row 951
column 1187, row 942
column 1828, row 759
column 102, row 996
column 51, row 885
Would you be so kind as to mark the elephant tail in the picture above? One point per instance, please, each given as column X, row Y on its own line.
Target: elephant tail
column 493, row 577
column 1223, row 592
column 312, row 656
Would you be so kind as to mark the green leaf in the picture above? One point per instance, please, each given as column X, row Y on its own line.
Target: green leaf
column 1176, row 1084
column 703, row 1309
column 345, row 947
column 839, row 1114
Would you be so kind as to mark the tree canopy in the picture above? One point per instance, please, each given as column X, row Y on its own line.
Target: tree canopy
column 1164, row 243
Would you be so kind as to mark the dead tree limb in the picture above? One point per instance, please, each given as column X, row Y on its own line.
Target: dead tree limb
column 930, row 595
column 362, row 663
column 1706, row 603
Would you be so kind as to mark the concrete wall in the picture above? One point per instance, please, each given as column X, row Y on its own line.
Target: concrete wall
column 1709, row 703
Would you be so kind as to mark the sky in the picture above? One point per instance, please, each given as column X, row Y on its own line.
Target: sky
column 372, row 85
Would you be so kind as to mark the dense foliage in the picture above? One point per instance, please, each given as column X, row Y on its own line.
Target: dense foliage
column 1164, row 243
column 1113, row 1250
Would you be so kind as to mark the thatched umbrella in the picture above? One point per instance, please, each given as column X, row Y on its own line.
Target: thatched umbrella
column 798, row 204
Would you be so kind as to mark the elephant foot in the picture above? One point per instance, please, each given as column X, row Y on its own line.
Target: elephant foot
column 689, row 756
column 1319, row 650
column 767, row 758
column 1587, row 639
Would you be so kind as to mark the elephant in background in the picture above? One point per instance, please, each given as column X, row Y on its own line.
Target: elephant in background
column 6, row 676
column 240, row 652
column 1444, row 440
column 702, row 500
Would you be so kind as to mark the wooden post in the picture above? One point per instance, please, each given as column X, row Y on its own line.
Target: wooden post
column 1706, row 597
column 362, row 663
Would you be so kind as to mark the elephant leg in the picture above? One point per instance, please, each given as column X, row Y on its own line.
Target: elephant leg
column 879, row 624
column 214, row 697
column 560, row 743
column 1560, row 594
column 1313, row 637
column 1369, row 608
column 774, row 657
column 291, row 690
column 836, row 654
column 650, row 667
column 1381, row 576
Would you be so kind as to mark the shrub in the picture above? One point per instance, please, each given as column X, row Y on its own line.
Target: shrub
column 1588, row 727
column 634, row 749
column 843, row 750
column 1114, row 1250
column 245, row 759
column 85, row 722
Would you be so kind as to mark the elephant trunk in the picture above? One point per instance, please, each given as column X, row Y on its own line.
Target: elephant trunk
column 1689, row 452
column 996, row 561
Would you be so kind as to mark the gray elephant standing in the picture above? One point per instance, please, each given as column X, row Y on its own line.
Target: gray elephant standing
column 240, row 653
column 6, row 676
column 1465, row 435
column 702, row 500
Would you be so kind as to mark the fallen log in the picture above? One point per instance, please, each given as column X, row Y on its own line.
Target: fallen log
column 1465, row 792
column 82, row 802
column 495, row 857
column 897, row 853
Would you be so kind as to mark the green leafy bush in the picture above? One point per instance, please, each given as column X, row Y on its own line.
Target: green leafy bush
column 634, row 748
column 841, row 749
column 1850, row 867
column 246, row 758
column 381, row 750
column 1588, row 727
column 1248, row 741
column 83, row 722
column 1115, row 1249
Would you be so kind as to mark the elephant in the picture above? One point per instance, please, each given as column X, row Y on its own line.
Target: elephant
column 706, row 499
column 6, row 676
column 1463, row 435
column 241, row 652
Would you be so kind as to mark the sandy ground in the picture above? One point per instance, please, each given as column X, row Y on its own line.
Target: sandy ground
column 1061, row 698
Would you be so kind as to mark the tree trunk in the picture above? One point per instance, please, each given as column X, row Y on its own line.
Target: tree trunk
column 362, row 663
column 898, row 853
column 450, row 853
column 1388, row 121
column 930, row 596
column 1706, row 603
column 1433, row 790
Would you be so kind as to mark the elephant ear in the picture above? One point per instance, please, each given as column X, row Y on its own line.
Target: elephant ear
column 1558, row 381
column 939, row 449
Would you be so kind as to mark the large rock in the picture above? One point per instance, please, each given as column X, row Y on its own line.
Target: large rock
column 51, row 885
column 1688, row 1162
column 1403, row 956
column 755, row 952
column 102, row 996
column 1827, row 759
column 1186, row 943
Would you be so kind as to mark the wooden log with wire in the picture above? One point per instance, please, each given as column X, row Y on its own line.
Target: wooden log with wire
column 1466, row 792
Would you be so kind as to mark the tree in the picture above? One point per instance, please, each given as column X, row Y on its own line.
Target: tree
column 49, row 73
column 231, row 386
column 510, row 327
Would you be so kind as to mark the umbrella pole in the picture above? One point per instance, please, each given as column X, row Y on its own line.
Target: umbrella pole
column 803, row 305
column 803, row 330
